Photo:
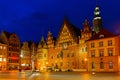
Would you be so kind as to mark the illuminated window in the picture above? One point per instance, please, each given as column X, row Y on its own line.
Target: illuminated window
column 86, row 49
column 92, row 45
column 72, row 53
column 4, row 48
column 4, row 59
column 101, row 65
column 109, row 42
column 0, row 47
column 92, row 53
column 110, row 52
column 68, row 63
column 61, row 54
column 110, row 65
column 101, row 36
column 0, row 59
column 82, row 49
column 101, row 53
column 101, row 44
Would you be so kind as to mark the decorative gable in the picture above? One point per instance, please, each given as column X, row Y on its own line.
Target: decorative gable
column 65, row 35
column 49, row 40
column 68, row 34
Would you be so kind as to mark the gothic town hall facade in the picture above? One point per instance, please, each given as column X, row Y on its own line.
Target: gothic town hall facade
column 91, row 49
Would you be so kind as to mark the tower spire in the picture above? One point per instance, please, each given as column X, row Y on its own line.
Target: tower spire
column 97, row 20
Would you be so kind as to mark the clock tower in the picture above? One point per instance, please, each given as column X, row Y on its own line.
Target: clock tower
column 97, row 21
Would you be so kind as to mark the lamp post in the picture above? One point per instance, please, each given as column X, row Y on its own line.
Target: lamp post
column 33, row 60
column 21, row 56
column 86, row 63
column 46, row 66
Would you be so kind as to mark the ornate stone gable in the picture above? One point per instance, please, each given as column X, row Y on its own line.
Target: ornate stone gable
column 65, row 36
column 49, row 40
column 25, row 46
column 68, row 34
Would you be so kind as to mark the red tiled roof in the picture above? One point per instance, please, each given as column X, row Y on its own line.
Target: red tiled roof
column 102, row 34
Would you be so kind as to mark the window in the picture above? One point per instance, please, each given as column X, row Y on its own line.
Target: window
column 110, row 65
column 72, row 53
column 101, row 53
column 73, row 63
column 51, row 57
column 0, row 47
column 82, row 49
column 68, row 55
column 4, row 59
column 101, row 44
column 61, row 54
column 45, row 55
column 92, row 45
column 109, row 42
column 110, row 52
column 0, row 59
column 61, row 64
column 101, row 36
column 92, row 53
column 57, row 55
column 86, row 49
column 93, row 65
column 101, row 65
column 68, row 63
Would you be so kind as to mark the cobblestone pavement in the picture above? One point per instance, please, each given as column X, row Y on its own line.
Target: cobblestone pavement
column 58, row 76
column 75, row 76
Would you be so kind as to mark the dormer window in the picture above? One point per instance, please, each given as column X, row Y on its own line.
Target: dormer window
column 101, row 36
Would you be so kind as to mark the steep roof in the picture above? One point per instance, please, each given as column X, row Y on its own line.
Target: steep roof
column 8, row 34
column 73, row 30
column 102, row 34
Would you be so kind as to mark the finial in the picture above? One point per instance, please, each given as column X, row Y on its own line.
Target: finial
column 96, row 2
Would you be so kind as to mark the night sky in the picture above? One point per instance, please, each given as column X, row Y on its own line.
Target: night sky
column 30, row 19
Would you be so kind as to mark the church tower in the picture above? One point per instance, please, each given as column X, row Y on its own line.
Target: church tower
column 97, row 21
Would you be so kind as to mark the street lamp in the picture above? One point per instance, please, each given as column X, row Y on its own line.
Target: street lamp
column 33, row 60
column 21, row 56
column 85, row 59
column 46, row 65
column 86, row 63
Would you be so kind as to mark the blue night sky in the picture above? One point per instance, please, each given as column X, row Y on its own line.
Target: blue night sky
column 31, row 19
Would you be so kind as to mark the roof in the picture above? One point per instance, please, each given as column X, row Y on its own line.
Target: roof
column 102, row 34
column 74, row 30
column 8, row 34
